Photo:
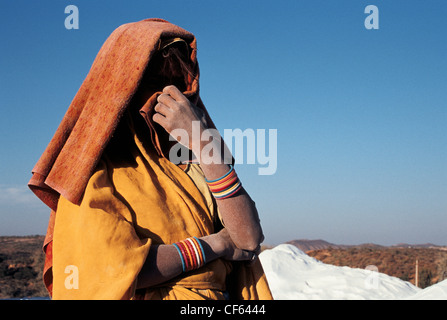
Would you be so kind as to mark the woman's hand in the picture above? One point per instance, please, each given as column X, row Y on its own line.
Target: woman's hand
column 231, row 252
column 174, row 111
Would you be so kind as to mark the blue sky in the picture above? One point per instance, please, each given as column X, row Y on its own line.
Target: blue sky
column 360, row 114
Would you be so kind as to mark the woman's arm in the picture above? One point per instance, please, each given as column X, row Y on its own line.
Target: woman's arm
column 175, row 111
column 164, row 263
column 238, row 212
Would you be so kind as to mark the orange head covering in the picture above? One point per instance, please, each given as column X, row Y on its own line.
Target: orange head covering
column 72, row 155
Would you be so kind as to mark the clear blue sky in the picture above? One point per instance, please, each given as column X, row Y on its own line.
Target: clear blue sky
column 361, row 115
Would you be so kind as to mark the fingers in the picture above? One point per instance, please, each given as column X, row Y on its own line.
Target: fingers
column 250, row 255
column 160, row 119
column 244, row 255
column 167, row 100
column 175, row 93
column 170, row 100
column 163, row 109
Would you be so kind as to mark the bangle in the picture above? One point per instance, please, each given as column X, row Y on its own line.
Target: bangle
column 216, row 180
column 191, row 253
column 181, row 256
column 225, row 186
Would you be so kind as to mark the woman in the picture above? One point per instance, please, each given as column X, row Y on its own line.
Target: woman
column 126, row 222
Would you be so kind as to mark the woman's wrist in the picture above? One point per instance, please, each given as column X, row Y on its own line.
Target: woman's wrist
column 197, row 144
column 209, row 147
column 213, row 246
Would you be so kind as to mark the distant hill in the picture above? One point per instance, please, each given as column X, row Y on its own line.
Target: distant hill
column 308, row 245
column 425, row 245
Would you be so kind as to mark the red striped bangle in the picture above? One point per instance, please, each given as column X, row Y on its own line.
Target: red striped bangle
column 198, row 250
column 226, row 186
column 224, row 179
column 230, row 194
column 192, row 254
column 189, row 256
column 185, row 257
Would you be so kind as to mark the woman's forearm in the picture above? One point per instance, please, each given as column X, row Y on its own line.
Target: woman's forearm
column 238, row 212
column 163, row 262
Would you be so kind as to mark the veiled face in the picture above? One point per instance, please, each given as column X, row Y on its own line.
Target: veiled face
column 169, row 66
